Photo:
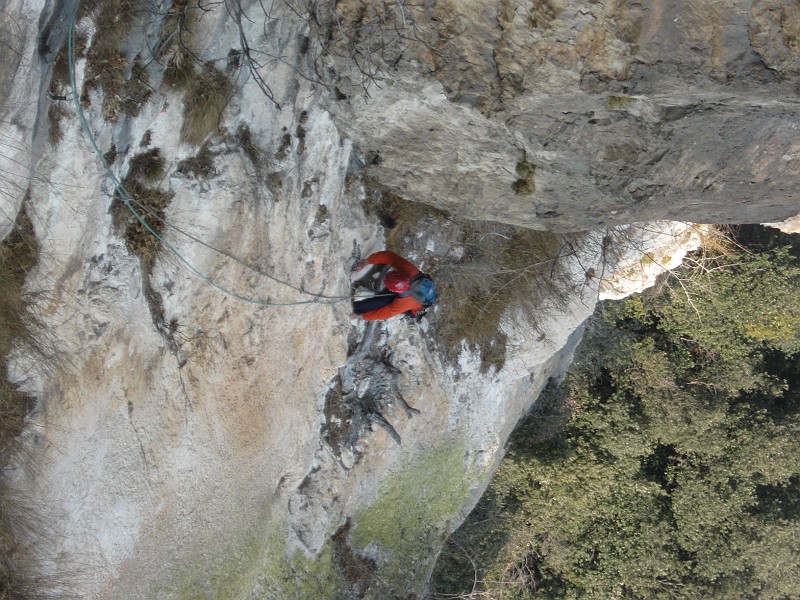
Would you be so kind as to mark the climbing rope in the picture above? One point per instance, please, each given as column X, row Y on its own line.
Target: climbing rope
column 130, row 202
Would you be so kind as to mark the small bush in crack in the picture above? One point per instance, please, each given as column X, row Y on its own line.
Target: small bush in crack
column 106, row 65
column 234, row 60
column 111, row 156
column 206, row 98
column 137, row 90
column 55, row 115
column 401, row 218
column 147, row 166
column 174, row 43
column 142, row 238
column 59, row 79
column 525, row 185
column 503, row 269
column 286, row 142
column 149, row 203
column 253, row 152
column 200, row 165
column 106, row 70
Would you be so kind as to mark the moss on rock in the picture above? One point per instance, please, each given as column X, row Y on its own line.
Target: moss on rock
column 253, row 565
column 524, row 185
column 620, row 102
column 296, row 577
column 403, row 529
column 396, row 540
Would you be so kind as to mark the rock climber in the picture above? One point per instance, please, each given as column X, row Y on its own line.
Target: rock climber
column 406, row 289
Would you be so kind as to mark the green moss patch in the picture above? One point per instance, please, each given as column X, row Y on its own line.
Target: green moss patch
column 405, row 526
column 620, row 102
column 382, row 550
column 524, row 185
column 297, row 577
column 252, row 564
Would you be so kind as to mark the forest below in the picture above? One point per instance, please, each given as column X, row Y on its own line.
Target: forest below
column 666, row 464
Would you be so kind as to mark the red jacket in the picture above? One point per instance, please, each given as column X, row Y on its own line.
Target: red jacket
column 399, row 305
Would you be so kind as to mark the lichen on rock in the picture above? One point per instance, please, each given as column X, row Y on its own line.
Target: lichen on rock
column 416, row 507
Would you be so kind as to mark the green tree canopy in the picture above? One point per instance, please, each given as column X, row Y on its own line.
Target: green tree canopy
column 667, row 464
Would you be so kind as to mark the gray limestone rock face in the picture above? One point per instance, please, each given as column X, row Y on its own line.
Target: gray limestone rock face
column 219, row 427
column 566, row 115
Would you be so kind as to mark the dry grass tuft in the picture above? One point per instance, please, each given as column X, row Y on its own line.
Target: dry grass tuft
column 19, row 327
column 149, row 202
column 106, row 65
column 137, row 90
column 175, row 45
column 106, row 71
column 55, row 116
column 141, row 240
column 126, row 87
column 151, row 205
column 59, row 80
column 179, row 70
column 245, row 138
column 206, row 98
column 200, row 165
column 717, row 240
column 19, row 252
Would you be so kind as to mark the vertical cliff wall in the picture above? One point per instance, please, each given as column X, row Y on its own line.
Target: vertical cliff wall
column 211, row 429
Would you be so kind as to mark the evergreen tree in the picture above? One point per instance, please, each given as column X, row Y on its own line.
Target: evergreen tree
column 674, row 471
